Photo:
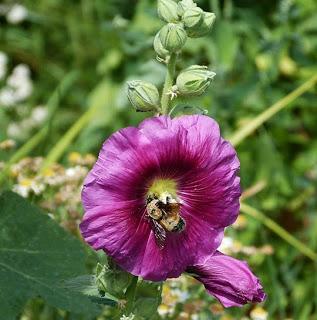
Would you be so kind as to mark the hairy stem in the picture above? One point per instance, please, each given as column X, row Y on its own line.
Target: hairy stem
column 130, row 295
column 169, row 81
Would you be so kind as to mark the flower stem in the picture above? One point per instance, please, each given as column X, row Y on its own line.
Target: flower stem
column 276, row 228
column 241, row 134
column 169, row 81
column 130, row 295
column 57, row 151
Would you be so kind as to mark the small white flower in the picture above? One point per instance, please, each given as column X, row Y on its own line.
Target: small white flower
column 7, row 97
column 258, row 313
column 75, row 173
column 21, row 71
column 17, row 14
column 39, row 114
column 164, row 310
column 20, row 81
column 25, row 186
column 24, row 90
column 37, row 187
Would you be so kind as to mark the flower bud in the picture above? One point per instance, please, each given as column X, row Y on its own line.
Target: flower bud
column 158, row 47
column 185, row 5
column 167, row 10
column 194, row 80
column 144, row 96
column 205, row 27
column 173, row 37
column 193, row 17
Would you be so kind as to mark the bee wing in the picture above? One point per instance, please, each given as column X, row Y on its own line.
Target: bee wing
column 159, row 233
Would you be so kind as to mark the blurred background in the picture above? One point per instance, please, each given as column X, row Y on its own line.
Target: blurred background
column 63, row 69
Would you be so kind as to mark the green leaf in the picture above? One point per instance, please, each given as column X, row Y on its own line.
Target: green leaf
column 87, row 285
column 36, row 254
column 148, row 298
column 113, row 280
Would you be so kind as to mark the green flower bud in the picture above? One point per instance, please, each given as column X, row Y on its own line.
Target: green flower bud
column 204, row 28
column 194, row 80
column 158, row 47
column 193, row 17
column 167, row 10
column 173, row 37
column 185, row 5
column 144, row 96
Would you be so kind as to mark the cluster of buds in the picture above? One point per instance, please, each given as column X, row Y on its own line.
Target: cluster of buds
column 183, row 19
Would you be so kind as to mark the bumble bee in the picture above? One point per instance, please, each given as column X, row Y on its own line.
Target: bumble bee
column 163, row 213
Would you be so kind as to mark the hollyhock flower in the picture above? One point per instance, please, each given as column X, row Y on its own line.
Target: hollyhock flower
column 228, row 279
column 160, row 195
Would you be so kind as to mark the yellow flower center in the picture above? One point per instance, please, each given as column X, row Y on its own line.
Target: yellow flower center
column 163, row 186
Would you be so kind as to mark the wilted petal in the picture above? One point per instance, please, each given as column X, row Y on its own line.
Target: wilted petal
column 229, row 280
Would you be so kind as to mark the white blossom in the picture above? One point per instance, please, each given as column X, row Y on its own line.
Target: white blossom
column 17, row 14
column 39, row 114
column 258, row 313
column 21, row 82
column 7, row 97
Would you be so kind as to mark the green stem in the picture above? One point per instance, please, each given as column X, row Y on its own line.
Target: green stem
column 272, row 225
column 58, row 150
column 95, row 105
column 250, row 127
column 130, row 295
column 169, row 81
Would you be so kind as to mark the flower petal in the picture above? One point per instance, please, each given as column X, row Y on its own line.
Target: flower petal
column 123, row 232
column 188, row 150
column 229, row 280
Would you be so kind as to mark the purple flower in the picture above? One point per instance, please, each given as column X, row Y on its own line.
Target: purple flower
column 160, row 195
column 229, row 280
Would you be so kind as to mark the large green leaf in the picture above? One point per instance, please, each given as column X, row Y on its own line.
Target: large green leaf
column 36, row 255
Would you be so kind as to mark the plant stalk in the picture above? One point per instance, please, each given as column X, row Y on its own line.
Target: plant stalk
column 250, row 127
column 277, row 229
column 130, row 295
column 169, row 81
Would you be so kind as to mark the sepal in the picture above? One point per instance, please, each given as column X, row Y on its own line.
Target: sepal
column 144, row 96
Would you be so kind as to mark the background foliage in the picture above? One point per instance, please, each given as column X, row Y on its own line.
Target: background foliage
column 86, row 50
